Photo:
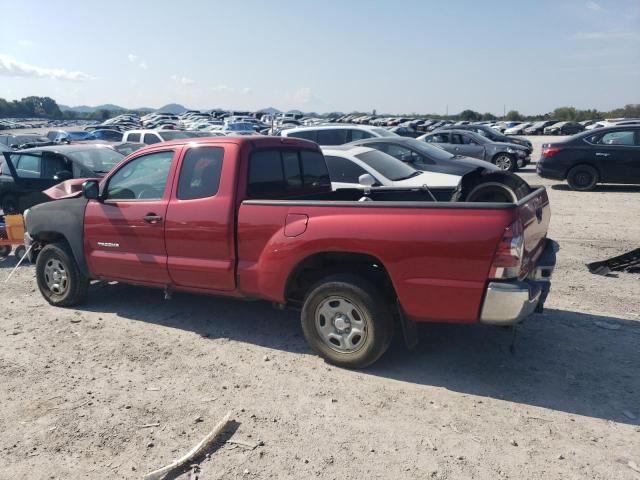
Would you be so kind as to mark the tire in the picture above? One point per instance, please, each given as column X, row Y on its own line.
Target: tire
column 582, row 178
column 502, row 187
column 5, row 250
column 59, row 279
column 20, row 251
column 505, row 162
column 356, row 306
column 9, row 204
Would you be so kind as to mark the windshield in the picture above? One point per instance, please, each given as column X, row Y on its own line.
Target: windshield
column 99, row 160
column 76, row 135
column 386, row 165
column 383, row 132
column 430, row 151
column 20, row 139
column 240, row 127
column 174, row 135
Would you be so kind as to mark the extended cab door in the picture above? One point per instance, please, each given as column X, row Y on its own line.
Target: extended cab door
column 200, row 219
column 124, row 230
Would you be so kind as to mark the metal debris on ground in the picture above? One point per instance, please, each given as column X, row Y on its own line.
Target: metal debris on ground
column 627, row 262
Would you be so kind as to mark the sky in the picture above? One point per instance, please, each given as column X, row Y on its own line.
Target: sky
column 400, row 56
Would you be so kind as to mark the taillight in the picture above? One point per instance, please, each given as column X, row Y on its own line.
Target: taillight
column 550, row 151
column 507, row 261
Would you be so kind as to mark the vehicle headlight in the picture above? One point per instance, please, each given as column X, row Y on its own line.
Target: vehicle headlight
column 511, row 150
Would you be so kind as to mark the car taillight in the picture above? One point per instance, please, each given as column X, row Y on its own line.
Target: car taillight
column 507, row 261
column 550, row 151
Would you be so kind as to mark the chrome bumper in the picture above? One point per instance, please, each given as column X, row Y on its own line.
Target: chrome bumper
column 508, row 303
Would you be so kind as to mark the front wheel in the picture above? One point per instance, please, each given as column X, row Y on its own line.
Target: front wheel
column 582, row 178
column 505, row 162
column 346, row 321
column 59, row 279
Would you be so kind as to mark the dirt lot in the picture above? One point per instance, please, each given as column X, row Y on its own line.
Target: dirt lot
column 78, row 385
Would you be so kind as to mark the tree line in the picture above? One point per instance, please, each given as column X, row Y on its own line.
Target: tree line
column 46, row 107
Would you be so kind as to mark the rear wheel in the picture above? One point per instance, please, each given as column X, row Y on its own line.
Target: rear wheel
column 582, row 178
column 59, row 278
column 505, row 162
column 346, row 321
column 5, row 250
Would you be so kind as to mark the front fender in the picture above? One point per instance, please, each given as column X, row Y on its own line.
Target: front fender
column 60, row 219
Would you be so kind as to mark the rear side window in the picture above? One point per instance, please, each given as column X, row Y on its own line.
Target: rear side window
column 150, row 138
column 337, row 136
column 359, row 135
column 200, row 173
column 306, row 135
column 273, row 172
column 133, row 137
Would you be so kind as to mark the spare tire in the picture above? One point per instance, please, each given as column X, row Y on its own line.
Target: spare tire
column 496, row 187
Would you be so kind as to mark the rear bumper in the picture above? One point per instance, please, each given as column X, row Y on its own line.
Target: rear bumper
column 508, row 303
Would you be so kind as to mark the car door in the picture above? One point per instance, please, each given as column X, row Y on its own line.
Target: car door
column 37, row 171
column 124, row 230
column 442, row 140
column 199, row 225
column 617, row 156
column 467, row 146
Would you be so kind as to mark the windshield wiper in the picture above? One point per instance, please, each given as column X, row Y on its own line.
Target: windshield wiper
column 414, row 174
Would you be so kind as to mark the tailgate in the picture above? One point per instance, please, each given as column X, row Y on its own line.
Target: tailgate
column 534, row 212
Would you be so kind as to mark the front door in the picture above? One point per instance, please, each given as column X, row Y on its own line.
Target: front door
column 200, row 219
column 617, row 156
column 467, row 146
column 124, row 231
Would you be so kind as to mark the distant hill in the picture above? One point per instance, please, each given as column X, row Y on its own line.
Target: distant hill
column 107, row 106
column 269, row 111
column 174, row 108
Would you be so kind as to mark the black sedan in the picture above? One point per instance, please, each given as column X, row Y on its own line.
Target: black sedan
column 538, row 127
column 607, row 155
column 423, row 156
column 495, row 136
column 564, row 128
column 26, row 173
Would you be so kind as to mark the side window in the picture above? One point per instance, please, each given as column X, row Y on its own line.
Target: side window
column 200, row 173
column 457, row 139
column 143, row 178
column 265, row 173
column 622, row 137
column 150, row 138
column 399, row 152
column 27, row 166
column 359, row 135
column 306, row 135
column 52, row 164
column 343, row 170
column 133, row 137
column 314, row 169
column 440, row 138
column 337, row 136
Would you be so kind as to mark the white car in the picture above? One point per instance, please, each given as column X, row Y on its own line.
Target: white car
column 348, row 163
column 154, row 136
column 518, row 129
column 337, row 134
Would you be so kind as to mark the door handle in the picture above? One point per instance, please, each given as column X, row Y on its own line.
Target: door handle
column 152, row 218
column 599, row 154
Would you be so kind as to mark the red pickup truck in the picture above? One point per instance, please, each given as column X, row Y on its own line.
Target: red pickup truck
column 256, row 217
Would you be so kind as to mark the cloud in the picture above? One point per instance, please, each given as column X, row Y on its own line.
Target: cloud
column 593, row 6
column 303, row 96
column 133, row 58
column 247, row 91
column 10, row 67
column 185, row 81
column 607, row 35
column 25, row 43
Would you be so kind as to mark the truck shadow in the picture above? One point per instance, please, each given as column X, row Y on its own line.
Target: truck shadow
column 601, row 188
column 567, row 361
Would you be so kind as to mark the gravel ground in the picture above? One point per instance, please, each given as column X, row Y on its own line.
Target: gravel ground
column 79, row 386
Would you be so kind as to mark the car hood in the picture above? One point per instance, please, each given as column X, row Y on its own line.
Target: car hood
column 461, row 165
column 430, row 179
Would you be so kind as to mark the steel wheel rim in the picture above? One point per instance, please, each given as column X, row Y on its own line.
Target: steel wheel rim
column 503, row 162
column 55, row 276
column 341, row 325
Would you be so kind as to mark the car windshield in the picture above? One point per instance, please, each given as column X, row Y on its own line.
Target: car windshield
column 20, row 139
column 174, row 135
column 430, row 151
column 240, row 127
column 386, row 165
column 76, row 135
column 99, row 160
column 382, row 132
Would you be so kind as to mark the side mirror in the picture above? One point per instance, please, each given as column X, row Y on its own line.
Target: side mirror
column 366, row 180
column 63, row 175
column 91, row 190
column 15, row 146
